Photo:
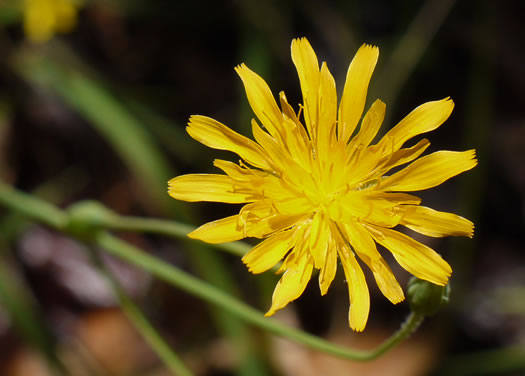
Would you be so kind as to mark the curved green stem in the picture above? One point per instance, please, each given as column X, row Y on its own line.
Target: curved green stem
column 52, row 216
column 196, row 287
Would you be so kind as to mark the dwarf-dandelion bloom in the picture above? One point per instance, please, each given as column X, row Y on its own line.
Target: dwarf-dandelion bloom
column 318, row 191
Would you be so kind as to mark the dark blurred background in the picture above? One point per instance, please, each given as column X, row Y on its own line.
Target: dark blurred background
column 99, row 113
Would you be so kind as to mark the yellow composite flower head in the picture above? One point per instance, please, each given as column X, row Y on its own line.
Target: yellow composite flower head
column 44, row 18
column 319, row 191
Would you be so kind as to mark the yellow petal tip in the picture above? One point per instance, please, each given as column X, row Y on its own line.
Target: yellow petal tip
column 269, row 313
column 397, row 301
column 192, row 235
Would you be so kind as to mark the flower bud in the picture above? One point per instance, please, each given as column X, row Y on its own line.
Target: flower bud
column 425, row 297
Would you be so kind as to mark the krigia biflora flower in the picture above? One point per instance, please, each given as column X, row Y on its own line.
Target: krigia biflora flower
column 319, row 192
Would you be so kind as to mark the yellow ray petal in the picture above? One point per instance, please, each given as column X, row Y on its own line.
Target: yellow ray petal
column 403, row 156
column 286, row 109
column 240, row 173
column 424, row 118
column 307, row 65
column 255, row 211
column 292, row 283
column 208, row 187
column 363, row 164
column 327, row 113
column 386, row 281
column 329, row 268
column 365, row 247
column 356, row 86
column 268, row 252
column 262, row 227
column 369, row 126
column 430, row 170
column 278, row 155
column 372, row 208
column 220, row 231
column 297, row 144
column 261, row 100
column 319, row 237
column 397, row 198
column 218, row 136
column 357, row 290
column 389, row 161
column 294, row 205
column 300, row 241
column 416, row 258
column 293, row 129
column 430, row 222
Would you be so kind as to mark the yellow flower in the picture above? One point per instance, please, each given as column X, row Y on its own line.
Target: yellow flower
column 319, row 192
column 43, row 18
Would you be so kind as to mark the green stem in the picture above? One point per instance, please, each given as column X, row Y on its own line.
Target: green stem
column 32, row 207
column 52, row 216
column 141, row 323
column 196, row 287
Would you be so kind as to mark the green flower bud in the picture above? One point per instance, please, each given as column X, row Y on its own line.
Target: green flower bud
column 86, row 218
column 425, row 297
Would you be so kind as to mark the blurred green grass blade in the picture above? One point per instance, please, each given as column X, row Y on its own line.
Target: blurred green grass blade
column 170, row 135
column 24, row 315
column 397, row 69
column 111, row 119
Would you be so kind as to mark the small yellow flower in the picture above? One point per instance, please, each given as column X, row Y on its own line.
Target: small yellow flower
column 319, row 192
column 43, row 18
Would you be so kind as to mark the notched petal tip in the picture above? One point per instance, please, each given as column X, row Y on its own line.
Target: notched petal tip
column 370, row 47
column 194, row 120
column 470, row 234
column 299, row 40
column 240, row 66
column 397, row 301
column 447, row 106
column 241, row 69
column 473, row 156
column 357, row 320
